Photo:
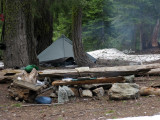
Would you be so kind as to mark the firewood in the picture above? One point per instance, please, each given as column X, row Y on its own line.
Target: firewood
column 154, row 72
column 149, row 91
column 20, row 93
column 30, row 77
column 10, row 74
column 28, row 85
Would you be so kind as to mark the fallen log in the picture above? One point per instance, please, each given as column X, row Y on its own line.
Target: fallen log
column 93, row 81
column 99, row 71
column 149, row 91
column 10, row 74
column 154, row 72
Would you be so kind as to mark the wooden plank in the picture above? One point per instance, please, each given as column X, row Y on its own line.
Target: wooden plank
column 8, row 75
column 154, row 72
column 94, row 81
column 100, row 71
column 27, row 85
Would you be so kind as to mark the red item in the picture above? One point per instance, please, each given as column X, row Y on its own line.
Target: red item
column 1, row 17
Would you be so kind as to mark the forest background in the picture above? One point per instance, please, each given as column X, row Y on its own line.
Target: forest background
column 121, row 24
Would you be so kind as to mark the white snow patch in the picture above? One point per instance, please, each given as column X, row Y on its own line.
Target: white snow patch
column 1, row 64
column 113, row 53
column 156, row 117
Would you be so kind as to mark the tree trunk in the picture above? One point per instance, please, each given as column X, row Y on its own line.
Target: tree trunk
column 79, row 54
column 133, row 42
column 140, row 35
column 18, row 37
column 43, row 25
column 155, row 35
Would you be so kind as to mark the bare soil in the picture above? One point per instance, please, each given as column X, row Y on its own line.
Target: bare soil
column 82, row 108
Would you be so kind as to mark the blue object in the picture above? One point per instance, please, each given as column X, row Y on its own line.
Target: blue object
column 43, row 100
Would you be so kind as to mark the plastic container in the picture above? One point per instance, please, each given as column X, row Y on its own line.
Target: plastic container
column 29, row 68
column 43, row 100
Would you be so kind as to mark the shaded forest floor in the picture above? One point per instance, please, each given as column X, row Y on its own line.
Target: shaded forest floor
column 82, row 108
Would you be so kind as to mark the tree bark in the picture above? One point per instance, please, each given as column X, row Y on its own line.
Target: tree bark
column 18, row 37
column 79, row 54
column 43, row 24
column 155, row 35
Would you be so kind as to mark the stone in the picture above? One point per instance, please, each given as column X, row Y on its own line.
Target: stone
column 129, row 79
column 63, row 94
column 93, row 86
column 87, row 93
column 75, row 91
column 53, row 95
column 99, row 92
column 122, row 91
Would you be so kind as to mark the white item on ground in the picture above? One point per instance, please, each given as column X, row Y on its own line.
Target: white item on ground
column 156, row 117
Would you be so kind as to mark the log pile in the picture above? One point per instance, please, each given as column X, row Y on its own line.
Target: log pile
column 25, row 89
column 11, row 74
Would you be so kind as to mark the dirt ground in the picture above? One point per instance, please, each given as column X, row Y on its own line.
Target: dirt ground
column 82, row 108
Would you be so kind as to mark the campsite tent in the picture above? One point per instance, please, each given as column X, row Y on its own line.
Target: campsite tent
column 61, row 48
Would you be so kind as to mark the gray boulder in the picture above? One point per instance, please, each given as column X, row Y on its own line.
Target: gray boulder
column 99, row 92
column 122, row 91
column 129, row 79
column 87, row 93
column 94, row 86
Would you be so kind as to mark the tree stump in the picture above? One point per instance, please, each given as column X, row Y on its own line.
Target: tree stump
column 20, row 93
column 24, row 88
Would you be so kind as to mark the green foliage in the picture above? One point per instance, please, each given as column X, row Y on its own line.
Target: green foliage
column 62, row 26
column 61, row 18
column 96, row 24
column 105, row 23
column 95, row 21
column 132, row 17
column 17, row 105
